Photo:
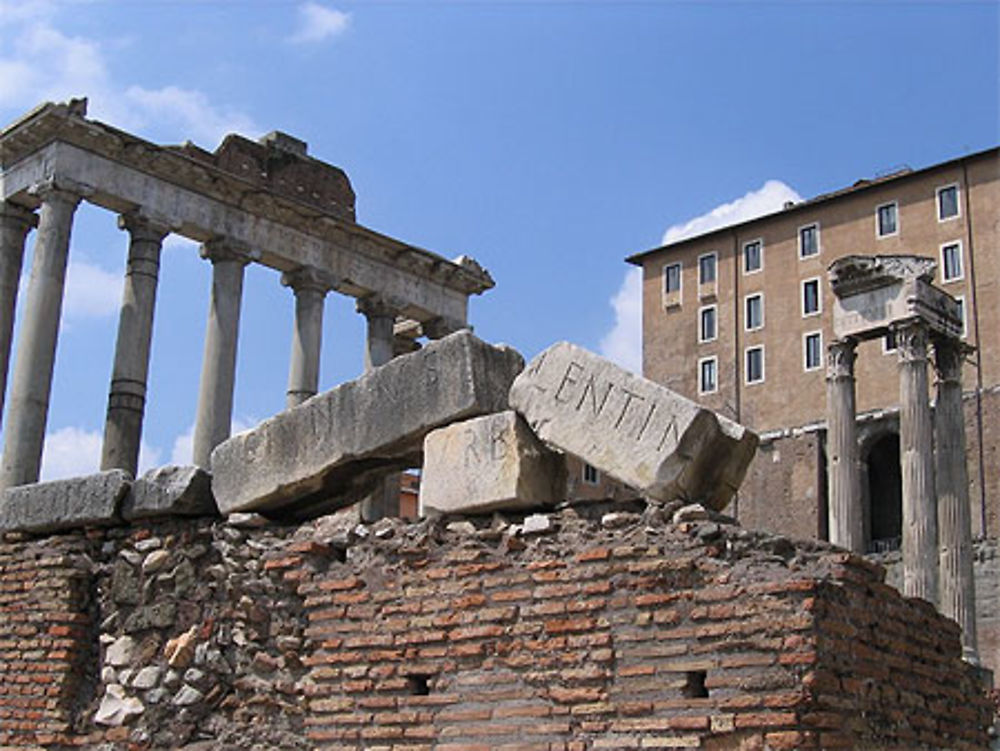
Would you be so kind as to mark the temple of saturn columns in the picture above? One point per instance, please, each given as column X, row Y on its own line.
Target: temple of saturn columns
column 265, row 202
column 876, row 296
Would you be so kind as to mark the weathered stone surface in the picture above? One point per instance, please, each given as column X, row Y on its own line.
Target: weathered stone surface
column 170, row 490
column 64, row 504
column 645, row 435
column 489, row 463
column 328, row 451
column 117, row 708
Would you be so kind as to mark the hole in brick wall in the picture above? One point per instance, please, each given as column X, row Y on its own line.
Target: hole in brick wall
column 418, row 685
column 338, row 553
column 694, row 686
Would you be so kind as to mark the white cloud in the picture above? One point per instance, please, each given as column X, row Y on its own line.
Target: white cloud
column 183, row 448
column 72, row 452
column 38, row 62
column 91, row 292
column 317, row 23
column 770, row 197
column 187, row 112
column 623, row 344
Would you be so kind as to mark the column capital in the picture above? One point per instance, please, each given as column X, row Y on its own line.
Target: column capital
column 377, row 305
column 142, row 227
column 309, row 279
column 223, row 249
column 12, row 215
column 61, row 189
column 912, row 336
column 949, row 353
column 840, row 357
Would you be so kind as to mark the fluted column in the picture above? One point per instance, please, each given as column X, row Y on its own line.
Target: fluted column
column 36, row 350
column 310, row 286
column 127, row 395
column 958, row 592
column 15, row 223
column 379, row 349
column 920, row 553
column 846, row 519
column 218, row 368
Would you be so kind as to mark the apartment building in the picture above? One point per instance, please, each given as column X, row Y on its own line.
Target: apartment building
column 740, row 318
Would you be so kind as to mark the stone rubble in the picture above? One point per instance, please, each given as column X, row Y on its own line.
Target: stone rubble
column 331, row 450
column 643, row 434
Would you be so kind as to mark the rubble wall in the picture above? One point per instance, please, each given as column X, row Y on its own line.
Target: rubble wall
column 572, row 630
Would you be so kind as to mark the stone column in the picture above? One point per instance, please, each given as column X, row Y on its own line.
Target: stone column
column 36, row 350
column 127, row 396
column 379, row 349
column 218, row 368
column 846, row 518
column 916, row 453
column 14, row 225
column 310, row 286
column 958, row 592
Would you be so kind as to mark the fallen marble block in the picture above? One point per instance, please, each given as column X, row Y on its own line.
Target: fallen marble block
column 643, row 434
column 76, row 502
column 488, row 464
column 329, row 451
column 170, row 491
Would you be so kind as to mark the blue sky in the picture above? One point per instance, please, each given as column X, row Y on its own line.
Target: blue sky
column 548, row 140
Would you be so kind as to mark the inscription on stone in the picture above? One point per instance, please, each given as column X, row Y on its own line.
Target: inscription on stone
column 637, row 431
column 489, row 463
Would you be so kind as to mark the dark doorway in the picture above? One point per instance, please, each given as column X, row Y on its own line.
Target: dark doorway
column 885, row 489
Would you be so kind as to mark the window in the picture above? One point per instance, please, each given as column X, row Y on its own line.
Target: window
column 812, row 350
column 707, row 375
column 951, row 261
column 947, row 202
column 707, row 318
column 753, row 256
column 754, row 364
column 706, row 268
column 810, row 297
column 754, row 307
column 672, row 278
column 808, row 240
column 961, row 315
column 590, row 474
column 886, row 221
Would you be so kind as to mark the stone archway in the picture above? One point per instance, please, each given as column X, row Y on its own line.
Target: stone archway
column 885, row 493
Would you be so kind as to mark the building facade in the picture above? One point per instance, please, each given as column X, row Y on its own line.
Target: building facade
column 740, row 318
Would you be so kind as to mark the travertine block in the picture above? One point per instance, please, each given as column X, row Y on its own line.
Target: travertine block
column 645, row 435
column 170, row 491
column 64, row 504
column 328, row 451
column 489, row 463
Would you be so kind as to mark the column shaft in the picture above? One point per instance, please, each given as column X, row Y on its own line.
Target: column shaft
column 958, row 592
column 36, row 351
column 15, row 223
column 379, row 349
column 307, row 336
column 127, row 396
column 920, row 554
column 218, row 369
column 846, row 519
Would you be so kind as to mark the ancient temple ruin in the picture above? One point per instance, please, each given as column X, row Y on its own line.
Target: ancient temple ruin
column 875, row 296
column 265, row 202
column 230, row 606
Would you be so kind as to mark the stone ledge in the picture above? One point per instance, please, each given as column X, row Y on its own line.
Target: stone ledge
column 59, row 505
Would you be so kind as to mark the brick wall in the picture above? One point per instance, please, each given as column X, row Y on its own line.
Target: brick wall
column 48, row 658
column 594, row 632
